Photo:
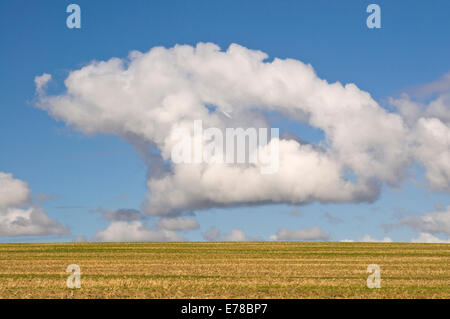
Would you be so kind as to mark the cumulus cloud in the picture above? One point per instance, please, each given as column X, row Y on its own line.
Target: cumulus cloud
column 433, row 149
column 412, row 110
column 368, row 239
column 307, row 234
column 13, row 192
column 128, row 225
column 437, row 222
column 178, row 223
column 239, row 235
column 429, row 239
column 430, row 131
column 236, row 234
column 32, row 221
column 148, row 96
column 17, row 220
column 136, row 231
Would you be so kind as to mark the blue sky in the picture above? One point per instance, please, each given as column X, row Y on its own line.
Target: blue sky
column 84, row 173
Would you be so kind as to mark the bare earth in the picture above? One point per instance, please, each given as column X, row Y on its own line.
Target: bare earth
column 225, row 270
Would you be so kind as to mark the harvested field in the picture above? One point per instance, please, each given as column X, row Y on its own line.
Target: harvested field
column 225, row 270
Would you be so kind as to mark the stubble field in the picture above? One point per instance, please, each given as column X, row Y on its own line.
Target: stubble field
column 225, row 270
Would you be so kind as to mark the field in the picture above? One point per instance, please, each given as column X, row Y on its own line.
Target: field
column 225, row 270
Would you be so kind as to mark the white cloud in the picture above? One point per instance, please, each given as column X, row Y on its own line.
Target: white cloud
column 41, row 82
column 412, row 111
column 428, row 238
column 13, row 192
column 429, row 139
column 178, row 223
column 32, row 221
column 15, row 220
column 433, row 149
column 314, row 233
column 127, row 225
column 368, row 239
column 149, row 95
column 136, row 231
column 236, row 234
column 433, row 222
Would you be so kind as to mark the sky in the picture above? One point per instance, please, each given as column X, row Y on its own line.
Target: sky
column 84, row 121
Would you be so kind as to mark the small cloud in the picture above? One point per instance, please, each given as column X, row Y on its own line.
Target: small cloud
column 428, row 238
column 178, row 223
column 18, row 220
column 214, row 234
column 32, row 221
column 433, row 222
column 314, row 233
column 41, row 82
column 239, row 235
column 368, row 239
column 126, row 215
column 136, row 231
column 13, row 192
column 332, row 219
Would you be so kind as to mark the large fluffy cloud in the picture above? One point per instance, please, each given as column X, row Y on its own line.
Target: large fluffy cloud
column 17, row 220
column 147, row 97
